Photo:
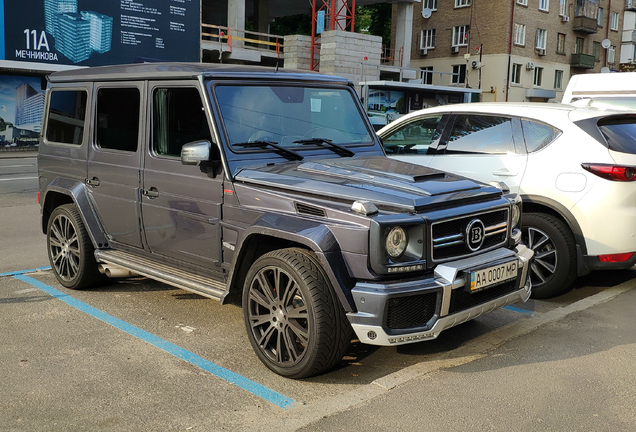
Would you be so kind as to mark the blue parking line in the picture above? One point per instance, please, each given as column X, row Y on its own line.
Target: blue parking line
column 225, row 374
column 14, row 273
column 514, row 309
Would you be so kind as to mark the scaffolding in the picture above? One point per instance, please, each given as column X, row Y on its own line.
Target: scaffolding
column 334, row 17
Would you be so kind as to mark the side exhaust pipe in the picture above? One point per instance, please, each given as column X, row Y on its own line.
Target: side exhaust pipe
column 115, row 272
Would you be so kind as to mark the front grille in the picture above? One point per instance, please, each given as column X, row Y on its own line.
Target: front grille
column 411, row 311
column 449, row 237
column 462, row 300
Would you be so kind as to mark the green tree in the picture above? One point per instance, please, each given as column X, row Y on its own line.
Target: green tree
column 375, row 20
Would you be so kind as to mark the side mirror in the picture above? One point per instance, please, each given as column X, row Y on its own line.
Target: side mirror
column 195, row 152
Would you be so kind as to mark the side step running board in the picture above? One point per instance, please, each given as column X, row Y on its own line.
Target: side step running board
column 164, row 273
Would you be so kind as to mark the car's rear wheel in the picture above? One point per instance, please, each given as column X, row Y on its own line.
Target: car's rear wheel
column 70, row 249
column 293, row 318
column 553, row 268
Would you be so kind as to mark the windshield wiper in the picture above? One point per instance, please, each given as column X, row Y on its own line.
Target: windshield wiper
column 336, row 147
column 291, row 155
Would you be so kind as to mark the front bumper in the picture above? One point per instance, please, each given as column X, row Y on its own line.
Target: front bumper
column 405, row 312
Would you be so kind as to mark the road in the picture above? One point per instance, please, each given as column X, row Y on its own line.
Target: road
column 140, row 355
column 22, row 239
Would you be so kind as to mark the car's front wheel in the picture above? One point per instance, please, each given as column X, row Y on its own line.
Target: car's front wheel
column 553, row 268
column 293, row 318
column 70, row 249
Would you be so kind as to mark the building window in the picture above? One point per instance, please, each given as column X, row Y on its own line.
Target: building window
column 427, row 74
column 541, row 38
column 544, row 5
column 558, row 79
column 462, row 3
column 460, row 35
column 516, row 73
column 587, row 8
column 596, row 50
column 578, row 47
column 522, row 2
column 538, row 75
column 611, row 52
column 563, row 7
column 614, row 21
column 428, row 39
column 430, row 4
column 520, row 34
column 459, row 74
column 599, row 20
column 561, row 43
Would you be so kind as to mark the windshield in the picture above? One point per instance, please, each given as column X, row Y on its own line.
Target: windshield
column 287, row 116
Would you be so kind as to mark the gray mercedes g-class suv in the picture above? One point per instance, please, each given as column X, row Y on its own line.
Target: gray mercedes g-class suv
column 268, row 186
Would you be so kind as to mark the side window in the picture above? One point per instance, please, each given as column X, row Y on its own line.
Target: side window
column 537, row 135
column 481, row 134
column 414, row 137
column 177, row 118
column 118, row 118
column 67, row 117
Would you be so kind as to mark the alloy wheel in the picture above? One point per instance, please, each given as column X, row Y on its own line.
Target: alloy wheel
column 64, row 247
column 545, row 260
column 278, row 316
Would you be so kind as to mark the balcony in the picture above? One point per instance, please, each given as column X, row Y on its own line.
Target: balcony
column 584, row 24
column 629, row 36
column 583, row 61
column 630, row 5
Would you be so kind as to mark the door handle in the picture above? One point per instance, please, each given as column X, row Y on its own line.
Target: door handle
column 504, row 172
column 152, row 193
column 93, row 182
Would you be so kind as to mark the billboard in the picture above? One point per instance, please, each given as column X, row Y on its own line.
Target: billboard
column 98, row 32
column 21, row 107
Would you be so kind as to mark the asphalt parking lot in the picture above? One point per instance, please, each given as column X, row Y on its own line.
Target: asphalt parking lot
column 140, row 355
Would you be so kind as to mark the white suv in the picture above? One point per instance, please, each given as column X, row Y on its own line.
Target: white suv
column 575, row 169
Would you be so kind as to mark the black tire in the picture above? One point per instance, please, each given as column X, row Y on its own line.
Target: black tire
column 293, row 317
column 70, row 250
column 553, row 268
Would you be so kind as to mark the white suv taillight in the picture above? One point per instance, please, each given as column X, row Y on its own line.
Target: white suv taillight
column 612, row 172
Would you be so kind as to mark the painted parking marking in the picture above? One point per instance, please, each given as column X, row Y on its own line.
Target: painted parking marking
column 520, row 310
column 15, row 273
column 218, row 371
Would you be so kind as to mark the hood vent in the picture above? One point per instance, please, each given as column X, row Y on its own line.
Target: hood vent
column 310, row 210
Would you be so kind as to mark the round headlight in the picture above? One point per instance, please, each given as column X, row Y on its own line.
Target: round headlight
column 516, row 215
column 396, row 242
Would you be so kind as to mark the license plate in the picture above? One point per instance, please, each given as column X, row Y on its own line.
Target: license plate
column 487, row 277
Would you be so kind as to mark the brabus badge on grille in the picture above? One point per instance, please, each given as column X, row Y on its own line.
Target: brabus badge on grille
column 475, row 234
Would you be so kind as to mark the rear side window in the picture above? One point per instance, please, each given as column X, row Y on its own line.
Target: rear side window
column 538, row 135
column 118, row 118
column 620, row 133
column 414, row 137
column 481, row 134
column 67, row 117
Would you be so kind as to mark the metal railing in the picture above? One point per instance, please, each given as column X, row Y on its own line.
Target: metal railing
column 229, row 38
column 414, row 76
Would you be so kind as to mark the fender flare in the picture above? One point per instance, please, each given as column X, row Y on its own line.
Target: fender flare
column 77, row 191
column 313, row 235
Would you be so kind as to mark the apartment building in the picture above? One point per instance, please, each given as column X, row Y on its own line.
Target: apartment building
column 516, row 50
